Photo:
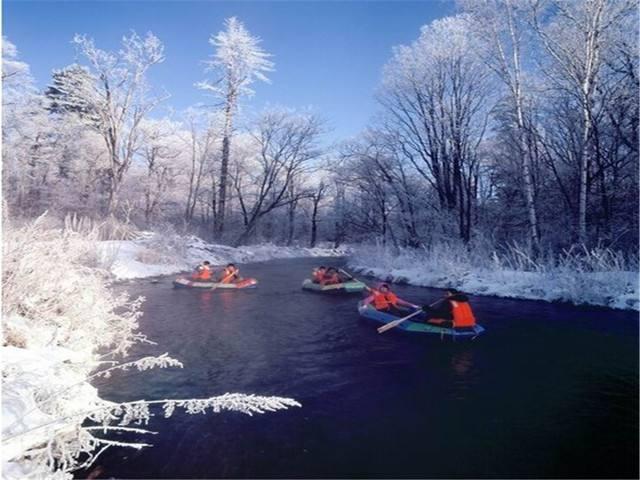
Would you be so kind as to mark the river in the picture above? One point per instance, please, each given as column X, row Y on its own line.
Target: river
column 549, row 390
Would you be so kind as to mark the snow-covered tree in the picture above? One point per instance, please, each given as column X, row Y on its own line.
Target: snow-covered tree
column 161, row 147
column 435, row 96
column 15, row 72
column 238, row 61
column 580, row 38
column 501, row 35
column 27, row 143
column 73, row 90
column 120, row 97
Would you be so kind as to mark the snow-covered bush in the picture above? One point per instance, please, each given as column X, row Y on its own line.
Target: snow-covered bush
column 48, row 280
column 111, row 228
column 62, row 326
column 596, row 276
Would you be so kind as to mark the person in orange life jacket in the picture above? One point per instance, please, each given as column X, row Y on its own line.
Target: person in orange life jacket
column 203, row 272
column 384, row 300
column 318, row 274
column 330, row 277
column 453, row 311
column 230, row 274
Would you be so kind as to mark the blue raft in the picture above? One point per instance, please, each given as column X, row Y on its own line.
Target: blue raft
column 367, row 311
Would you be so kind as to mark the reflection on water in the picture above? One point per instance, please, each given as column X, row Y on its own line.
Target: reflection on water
column 462, row 362
column 206, row 303
column 544, row 393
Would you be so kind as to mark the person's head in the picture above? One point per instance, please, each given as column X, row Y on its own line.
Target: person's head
column 384, row 288
column 231, row 265
column 450, row 292
column 321, row 268
column 206, row 262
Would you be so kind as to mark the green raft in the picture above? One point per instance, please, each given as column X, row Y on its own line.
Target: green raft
column 352, row 286
column 367, row 311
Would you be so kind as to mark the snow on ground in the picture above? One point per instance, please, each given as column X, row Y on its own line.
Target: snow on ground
column 617, row 289
column 30, row 375
column 155, row 255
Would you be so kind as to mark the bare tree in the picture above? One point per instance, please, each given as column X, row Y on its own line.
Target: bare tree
column 285, row 144
column 374, row 170
column 160, row 148
column 237, row 62
column 317, row 196
column 202, row 135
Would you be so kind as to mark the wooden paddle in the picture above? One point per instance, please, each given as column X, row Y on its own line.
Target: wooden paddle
column 395, row 323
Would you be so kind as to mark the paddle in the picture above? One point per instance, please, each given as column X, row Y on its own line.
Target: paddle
column 395, row 323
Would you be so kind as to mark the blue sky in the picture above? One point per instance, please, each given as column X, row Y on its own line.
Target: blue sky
column 328, row 54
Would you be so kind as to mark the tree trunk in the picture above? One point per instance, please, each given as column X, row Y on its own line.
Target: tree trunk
column 527, row 178
column 314, row 224
column 527, row 175
column 584, row 175
column 222, row 191
column 224, row 165
column 112, row 201
column 292, row 225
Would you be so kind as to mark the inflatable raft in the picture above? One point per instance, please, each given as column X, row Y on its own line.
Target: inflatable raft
column 352, row 286
column 368, row 311
column 183, row 282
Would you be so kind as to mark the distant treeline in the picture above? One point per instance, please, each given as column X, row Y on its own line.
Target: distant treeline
column 512, row 121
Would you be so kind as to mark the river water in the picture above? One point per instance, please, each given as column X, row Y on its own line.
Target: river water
column 548, row 391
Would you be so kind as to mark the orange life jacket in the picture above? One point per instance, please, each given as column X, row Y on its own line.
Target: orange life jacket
column 382, row 301
column 229, row 275
column 462, row 314
column 203, row 273
column 330, row 279
column 318, row 276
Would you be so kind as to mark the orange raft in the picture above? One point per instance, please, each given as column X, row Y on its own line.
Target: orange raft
column 184, row 282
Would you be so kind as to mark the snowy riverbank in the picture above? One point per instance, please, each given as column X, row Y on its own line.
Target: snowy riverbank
column 579, row 283
column 442, row 268
column 37, row 391
column 154, row 254
column 62, row 327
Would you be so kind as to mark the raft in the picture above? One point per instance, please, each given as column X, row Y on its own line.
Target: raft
column 352, row 286
column 182, row 282
column 367, row 311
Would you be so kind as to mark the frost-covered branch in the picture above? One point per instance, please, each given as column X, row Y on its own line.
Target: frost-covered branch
column 139, row 413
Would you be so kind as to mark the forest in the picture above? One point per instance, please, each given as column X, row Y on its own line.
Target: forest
column 510, row 123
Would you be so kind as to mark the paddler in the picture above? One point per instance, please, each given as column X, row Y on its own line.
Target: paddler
column 230, row 274
column 318, row 274
column 203, row 272
column 330, row 277
column 453, row 311
column 384, row 300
